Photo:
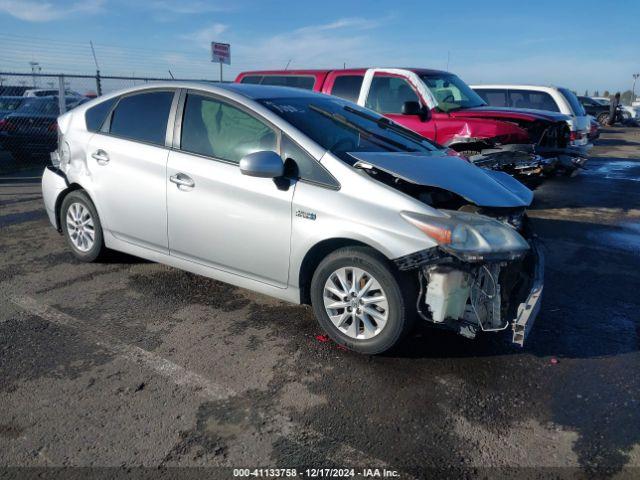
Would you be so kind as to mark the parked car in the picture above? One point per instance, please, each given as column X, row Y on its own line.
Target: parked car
column 31, row 129
column 13, row 90
column 596, row 109
column 8, row 104
column 301, row 196
column 628, row 113
column 441, row 107
column 48, row 92
column 538, row 97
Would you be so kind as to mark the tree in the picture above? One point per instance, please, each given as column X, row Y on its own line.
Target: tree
column 626, row 97
column 606, row 94
column 586, row 93
column 596, row 93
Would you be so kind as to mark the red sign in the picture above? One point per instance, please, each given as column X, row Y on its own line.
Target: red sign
column 221, row 53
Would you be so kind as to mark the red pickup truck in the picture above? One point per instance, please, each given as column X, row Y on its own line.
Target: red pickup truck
column 441, row 107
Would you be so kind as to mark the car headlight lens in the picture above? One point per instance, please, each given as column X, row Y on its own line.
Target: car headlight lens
column 469, row 235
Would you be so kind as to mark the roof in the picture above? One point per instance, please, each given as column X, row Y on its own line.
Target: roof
column 266, row 91
column 515, row 86
column 419, row 71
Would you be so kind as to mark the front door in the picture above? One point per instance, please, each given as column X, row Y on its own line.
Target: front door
column 217, row 216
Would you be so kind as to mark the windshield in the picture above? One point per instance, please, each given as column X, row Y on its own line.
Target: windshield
column 450, row 92
column 342, row 127
column 577, row 108
column 44, row 106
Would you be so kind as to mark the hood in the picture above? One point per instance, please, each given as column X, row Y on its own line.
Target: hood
column 485, row 188
column 505, row 113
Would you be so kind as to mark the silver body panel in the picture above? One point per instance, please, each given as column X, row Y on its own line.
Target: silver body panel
column 235, row 228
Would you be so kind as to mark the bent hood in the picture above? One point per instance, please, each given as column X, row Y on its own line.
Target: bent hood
column 485, row 188
column 505, row 113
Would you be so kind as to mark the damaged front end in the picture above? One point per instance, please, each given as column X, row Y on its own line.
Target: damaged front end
column 486, row 271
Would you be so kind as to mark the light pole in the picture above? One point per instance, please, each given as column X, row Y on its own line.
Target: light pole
column 633, row 88
column 35, row 68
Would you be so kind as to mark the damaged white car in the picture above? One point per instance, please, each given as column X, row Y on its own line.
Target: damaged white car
column 301, row 196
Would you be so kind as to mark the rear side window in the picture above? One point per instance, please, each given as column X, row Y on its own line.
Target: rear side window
column 142, row 117
column 96, row 115
column 533, row 99
column 219, row 130
column 295, row 81
column 494, row 97
column 251, row 79
column 347, row 87
column 304, row 166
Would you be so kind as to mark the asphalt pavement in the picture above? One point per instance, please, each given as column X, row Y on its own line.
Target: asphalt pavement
column 128, row 363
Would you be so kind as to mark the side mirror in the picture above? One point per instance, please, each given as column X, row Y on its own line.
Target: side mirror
column 414, row 108
column 264, row 164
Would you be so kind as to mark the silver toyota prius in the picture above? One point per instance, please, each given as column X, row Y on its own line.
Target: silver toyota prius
column 301, row 196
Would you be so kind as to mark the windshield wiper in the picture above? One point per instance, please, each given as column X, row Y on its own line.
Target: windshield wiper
column 384, row 122
column 336, row 117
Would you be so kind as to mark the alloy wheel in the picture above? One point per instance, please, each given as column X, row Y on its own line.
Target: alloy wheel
column 80, row 227
column 355, row 303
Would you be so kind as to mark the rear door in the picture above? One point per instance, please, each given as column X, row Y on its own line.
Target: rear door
column 345, row 85
column 219, row 217
column 128, row 159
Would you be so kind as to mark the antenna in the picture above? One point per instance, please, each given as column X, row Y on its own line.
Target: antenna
column 288, row 63
column 448, row 60
column 172, row 75
column 95, row 59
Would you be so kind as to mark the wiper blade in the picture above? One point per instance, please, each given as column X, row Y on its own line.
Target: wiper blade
column 360, row 129
column 384, row 122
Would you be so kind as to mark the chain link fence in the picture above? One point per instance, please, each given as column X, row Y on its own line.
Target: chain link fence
column 31, row 102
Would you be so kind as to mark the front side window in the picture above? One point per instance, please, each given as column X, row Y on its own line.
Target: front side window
column 347, row 87
column 216, row 129
column 494, row 97
column 450, row 92
column 533, row 100
column 388, row 94
column 142, row 117
column 342, row 127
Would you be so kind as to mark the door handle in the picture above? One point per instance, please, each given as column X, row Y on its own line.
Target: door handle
column 101, row 157
column 182, row 180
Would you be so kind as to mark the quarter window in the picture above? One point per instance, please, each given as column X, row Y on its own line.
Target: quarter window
column 304, row 166
column 142, row 117
column 347, row 87
column 217, row 129
column 96, row 115
column 388, row 94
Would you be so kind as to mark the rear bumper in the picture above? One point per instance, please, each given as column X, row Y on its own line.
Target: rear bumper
column 528, row 310
column 54, row 182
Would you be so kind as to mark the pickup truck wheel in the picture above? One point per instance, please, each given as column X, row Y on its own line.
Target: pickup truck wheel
column 81, row 226
column 361, row 301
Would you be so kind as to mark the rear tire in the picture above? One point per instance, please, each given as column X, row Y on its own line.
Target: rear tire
column 81, row 226
column 374, row 303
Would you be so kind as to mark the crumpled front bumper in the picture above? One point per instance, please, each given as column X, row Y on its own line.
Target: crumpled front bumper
column 528, row 310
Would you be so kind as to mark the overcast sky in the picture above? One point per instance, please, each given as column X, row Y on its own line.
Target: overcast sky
column 579, row 44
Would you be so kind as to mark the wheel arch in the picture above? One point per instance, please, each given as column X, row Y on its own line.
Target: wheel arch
column 316, row 254
column 58, row 206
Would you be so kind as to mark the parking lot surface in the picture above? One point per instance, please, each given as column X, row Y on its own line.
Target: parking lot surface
column 133, row 363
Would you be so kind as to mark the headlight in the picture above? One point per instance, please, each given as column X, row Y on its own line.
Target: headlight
column 470, row 236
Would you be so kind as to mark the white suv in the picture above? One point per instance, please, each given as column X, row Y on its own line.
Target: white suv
column 537, row 97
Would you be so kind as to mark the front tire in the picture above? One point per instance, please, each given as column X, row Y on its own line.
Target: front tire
column 81, row 226
column 603, row 119
column 361, row 300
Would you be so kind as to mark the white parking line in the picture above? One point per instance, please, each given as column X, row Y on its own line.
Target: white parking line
column 174, row 372
column 344, row 455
